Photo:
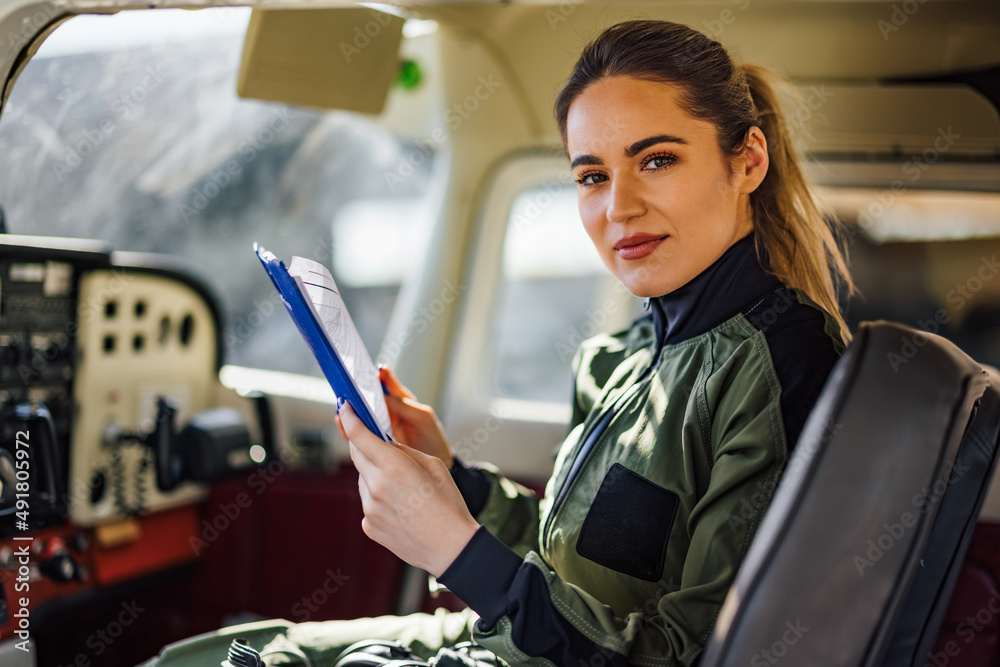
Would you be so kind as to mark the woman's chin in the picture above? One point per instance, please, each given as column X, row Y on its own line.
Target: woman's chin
column 642, row 287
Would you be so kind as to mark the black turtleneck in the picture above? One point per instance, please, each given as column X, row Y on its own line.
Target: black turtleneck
column 730, row 285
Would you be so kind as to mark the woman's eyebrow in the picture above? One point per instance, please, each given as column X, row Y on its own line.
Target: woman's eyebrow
column 585, row 159
column 630, row 151
column 643, row 144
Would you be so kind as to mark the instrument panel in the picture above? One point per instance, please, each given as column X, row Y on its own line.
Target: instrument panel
column 97, row 338
column 141, row 336
column 98, row 351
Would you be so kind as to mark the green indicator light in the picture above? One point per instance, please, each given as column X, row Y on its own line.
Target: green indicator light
column 410, row 75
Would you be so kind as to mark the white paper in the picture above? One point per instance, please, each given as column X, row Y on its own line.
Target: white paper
column 329, row 307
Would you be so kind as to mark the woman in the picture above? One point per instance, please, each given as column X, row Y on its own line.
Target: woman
column 682, row 424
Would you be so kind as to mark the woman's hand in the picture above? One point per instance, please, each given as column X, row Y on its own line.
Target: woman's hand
column 411, row 504
column 413, row 422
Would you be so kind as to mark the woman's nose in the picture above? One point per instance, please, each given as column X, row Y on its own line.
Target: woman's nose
column 625, row 201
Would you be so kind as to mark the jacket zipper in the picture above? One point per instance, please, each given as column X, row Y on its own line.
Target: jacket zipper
column 610, row 416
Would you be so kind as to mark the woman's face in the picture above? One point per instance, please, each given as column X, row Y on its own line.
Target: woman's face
column 656, row 194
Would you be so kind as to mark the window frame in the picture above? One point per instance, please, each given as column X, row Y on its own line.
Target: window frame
column 471, row 411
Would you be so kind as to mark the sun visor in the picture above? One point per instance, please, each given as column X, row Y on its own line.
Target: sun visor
column 345, row 58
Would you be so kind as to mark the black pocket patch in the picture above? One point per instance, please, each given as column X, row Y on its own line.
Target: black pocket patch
column 628, row 524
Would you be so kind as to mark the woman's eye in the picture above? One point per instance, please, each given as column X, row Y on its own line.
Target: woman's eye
column 659, row 161
column 591, row 178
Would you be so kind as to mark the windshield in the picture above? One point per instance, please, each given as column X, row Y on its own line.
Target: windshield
column 127, row 128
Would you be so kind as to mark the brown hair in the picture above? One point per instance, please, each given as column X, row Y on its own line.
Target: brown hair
column 800, row 246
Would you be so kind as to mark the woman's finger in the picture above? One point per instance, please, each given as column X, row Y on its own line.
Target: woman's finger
column 363, row 464
column 431, row 464
column 363, row 491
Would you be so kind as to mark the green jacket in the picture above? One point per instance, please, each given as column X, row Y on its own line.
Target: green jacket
column 681, row 428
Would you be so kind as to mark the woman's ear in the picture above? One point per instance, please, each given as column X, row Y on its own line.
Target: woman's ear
column 754, row 162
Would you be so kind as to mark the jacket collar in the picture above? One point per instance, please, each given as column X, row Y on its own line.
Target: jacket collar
column 728, row 286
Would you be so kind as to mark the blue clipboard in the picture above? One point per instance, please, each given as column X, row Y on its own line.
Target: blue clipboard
column 317, row 340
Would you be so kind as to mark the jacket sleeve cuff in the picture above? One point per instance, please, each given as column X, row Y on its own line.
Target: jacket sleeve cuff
column 473, row 484
column 482, row 575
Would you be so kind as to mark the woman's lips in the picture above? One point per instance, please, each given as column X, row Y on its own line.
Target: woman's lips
column 638, row 246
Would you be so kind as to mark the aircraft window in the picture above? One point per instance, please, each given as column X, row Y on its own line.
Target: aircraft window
column 127, row 128
column 555, row 293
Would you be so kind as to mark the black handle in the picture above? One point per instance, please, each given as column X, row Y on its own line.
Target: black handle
column 38, row 421
column 163, row 439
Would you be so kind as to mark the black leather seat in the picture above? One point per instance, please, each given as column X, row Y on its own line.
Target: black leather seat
column 856, row 558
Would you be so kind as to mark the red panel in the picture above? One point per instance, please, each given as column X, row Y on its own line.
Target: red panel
column 289, row 545
column 164, row 543
column 970, row 633
column 38, row 590
column 318, row 563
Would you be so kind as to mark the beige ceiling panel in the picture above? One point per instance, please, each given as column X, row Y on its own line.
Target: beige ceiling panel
column 933, row 121
column 845, row 43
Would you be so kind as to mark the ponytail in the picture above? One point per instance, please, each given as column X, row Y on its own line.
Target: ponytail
column 799, row 245
column 789, row 226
